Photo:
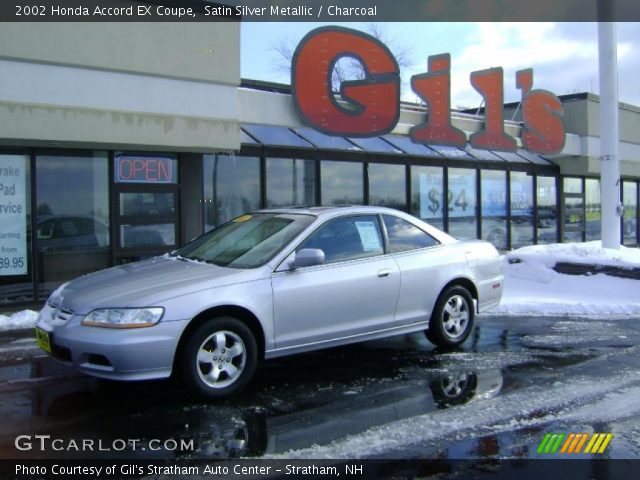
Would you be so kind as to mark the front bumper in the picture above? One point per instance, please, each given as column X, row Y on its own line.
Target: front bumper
column 119, row 354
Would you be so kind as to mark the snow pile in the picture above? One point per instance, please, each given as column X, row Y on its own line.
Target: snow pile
column 533, row 288
column 19, row 320
column 585, row 253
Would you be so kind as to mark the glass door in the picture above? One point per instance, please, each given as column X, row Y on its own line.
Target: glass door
column 146, row 198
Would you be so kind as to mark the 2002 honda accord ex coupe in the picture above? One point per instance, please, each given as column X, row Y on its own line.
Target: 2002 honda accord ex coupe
column 268, row 284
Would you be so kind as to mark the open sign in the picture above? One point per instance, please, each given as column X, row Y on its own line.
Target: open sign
column 134, row 169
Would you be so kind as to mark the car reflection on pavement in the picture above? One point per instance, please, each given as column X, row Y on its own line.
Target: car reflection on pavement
column 256, row 436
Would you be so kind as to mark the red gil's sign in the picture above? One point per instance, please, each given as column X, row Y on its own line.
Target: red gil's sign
column 371, row 106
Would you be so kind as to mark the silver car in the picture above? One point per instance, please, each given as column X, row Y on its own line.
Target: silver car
column 268, row 284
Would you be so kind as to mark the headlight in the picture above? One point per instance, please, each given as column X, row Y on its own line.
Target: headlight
column 124, row 317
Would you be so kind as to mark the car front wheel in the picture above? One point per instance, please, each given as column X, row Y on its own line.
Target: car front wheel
column 452, row 318
column 219, row 358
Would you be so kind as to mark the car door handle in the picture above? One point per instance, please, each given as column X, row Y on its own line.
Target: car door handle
column 384, row 273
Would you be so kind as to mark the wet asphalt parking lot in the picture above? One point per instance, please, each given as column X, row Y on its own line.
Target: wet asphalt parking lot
column 514, row 380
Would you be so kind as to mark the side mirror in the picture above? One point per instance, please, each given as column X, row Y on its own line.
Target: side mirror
column 308, row 257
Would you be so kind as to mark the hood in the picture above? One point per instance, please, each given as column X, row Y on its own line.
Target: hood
column 146, row 283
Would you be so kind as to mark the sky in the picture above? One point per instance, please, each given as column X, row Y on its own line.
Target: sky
column 564, row 56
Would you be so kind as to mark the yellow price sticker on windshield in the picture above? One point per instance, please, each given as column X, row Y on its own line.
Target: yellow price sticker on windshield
column 242, row 218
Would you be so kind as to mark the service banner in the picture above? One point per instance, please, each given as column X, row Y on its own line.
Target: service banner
column 13, row 215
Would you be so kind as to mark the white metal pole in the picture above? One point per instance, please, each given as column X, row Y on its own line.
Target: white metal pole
column 609, row 129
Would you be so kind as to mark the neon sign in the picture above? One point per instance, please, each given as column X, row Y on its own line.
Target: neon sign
column 134, row 169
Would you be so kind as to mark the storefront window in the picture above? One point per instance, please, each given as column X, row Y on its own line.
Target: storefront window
column 231, row 187
column 521, row 209
column 593, row 209
column 387, row 185
column 290, row 182
column 147, row 235
column 494, row 207
column 149, row 204
column 341, row 183
column 461, row 203
column 630, row 219
column 573, row 209
column 546, row 198
column 72, row 195
column 427, row 194
column 15, row 232
column 572, row 185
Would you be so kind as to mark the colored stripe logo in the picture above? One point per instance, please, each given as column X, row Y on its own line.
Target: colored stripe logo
column 574, row 443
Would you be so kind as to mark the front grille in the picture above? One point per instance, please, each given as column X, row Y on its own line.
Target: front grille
column 59, row 313
column 62, row 314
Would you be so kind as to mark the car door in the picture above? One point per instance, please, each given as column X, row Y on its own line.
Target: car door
column 354, row 292
column 423, row 264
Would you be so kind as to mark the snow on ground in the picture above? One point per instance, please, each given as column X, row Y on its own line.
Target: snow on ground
column 533, row 288
column 18, row 320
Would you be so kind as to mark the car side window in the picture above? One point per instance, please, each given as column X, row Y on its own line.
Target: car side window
column 347, row 238
column 404, row 236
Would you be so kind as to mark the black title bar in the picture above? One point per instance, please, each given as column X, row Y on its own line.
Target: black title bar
column 490, row 468
column 317, row 11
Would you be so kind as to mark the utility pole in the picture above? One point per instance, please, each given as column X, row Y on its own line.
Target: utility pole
column 609, row 128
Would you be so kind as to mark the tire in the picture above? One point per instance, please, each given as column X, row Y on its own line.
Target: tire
column 452, row 318
column 219, row 358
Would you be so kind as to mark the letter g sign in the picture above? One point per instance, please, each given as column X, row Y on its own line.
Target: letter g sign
column 372, row 104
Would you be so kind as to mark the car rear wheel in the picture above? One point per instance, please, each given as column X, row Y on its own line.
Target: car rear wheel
column 219, row 358
column 452, row 318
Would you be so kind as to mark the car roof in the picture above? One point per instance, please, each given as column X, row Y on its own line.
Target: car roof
column 331, row 210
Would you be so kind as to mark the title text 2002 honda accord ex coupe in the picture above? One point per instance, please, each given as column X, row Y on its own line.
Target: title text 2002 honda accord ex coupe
column 267, row 284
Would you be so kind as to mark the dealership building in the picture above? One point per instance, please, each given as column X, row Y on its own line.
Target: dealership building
column 122, row 141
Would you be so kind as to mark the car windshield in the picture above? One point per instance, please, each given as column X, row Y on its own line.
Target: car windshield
column 248, row 241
